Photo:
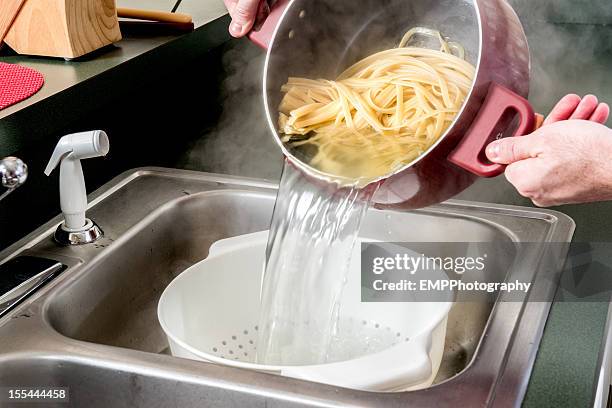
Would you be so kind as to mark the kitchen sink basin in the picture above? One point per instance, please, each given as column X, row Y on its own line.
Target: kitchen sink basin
column 94, row 328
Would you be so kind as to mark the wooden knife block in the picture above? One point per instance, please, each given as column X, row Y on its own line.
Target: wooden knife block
column 64, row 28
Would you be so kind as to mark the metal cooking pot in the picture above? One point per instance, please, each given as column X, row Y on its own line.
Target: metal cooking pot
column 320, row 38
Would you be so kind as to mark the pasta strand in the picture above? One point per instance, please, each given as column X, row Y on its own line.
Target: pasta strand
column 381, row 113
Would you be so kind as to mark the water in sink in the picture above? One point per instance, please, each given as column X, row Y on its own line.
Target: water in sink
column 314, row 229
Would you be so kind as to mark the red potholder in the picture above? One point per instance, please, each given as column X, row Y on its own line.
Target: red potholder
column 18, row 83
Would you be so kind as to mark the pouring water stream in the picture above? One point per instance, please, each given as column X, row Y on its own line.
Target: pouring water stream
column 314, row 229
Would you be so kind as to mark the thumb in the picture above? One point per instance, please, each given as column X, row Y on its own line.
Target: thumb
column 243, row 17
column 512, row 149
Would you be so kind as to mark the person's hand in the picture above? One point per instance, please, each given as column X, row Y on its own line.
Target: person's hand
column 244, row 13
column 567, row 161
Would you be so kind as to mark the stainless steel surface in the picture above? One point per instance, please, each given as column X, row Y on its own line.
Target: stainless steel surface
column 94, row 328
column 61, row 75
column 13, row 173
column 603, row 397
column 331, row 35
column 89, row 235
column 19, row 293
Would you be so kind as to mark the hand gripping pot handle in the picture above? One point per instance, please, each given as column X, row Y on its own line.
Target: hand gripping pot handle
column 397, row 367
column 264, row 30
column 469, row 153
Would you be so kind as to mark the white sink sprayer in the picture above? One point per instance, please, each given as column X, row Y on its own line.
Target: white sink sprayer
column 70, row 150
column 76, row 229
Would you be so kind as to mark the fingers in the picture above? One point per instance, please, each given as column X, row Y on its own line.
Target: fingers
column 601, row 114
column 586, row 108
column 243, row 14
column 574, row 107
column 513, row 149
column 563, row 109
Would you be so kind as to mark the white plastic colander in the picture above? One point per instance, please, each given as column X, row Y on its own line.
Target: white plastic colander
column 211, row 311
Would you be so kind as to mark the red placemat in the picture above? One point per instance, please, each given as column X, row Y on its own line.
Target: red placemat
column 18, row 83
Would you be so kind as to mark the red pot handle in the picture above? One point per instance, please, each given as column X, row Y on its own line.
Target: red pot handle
column 469, row 153
column 264, row 30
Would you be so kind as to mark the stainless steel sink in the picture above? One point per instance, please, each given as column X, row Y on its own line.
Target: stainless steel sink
column 94, row 328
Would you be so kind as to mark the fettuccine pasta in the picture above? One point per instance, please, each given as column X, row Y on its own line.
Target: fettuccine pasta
column 381, row 113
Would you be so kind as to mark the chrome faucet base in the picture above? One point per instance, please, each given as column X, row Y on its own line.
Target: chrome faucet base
column 90, row 234
column 13, row 173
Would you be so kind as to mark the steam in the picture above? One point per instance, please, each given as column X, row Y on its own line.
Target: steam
column 569, row 54
column 241, row 143
column 569, row 49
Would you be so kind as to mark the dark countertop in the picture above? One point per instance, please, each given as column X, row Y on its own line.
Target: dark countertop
column 65, row 77
column 571, row 44
column 61, row 75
